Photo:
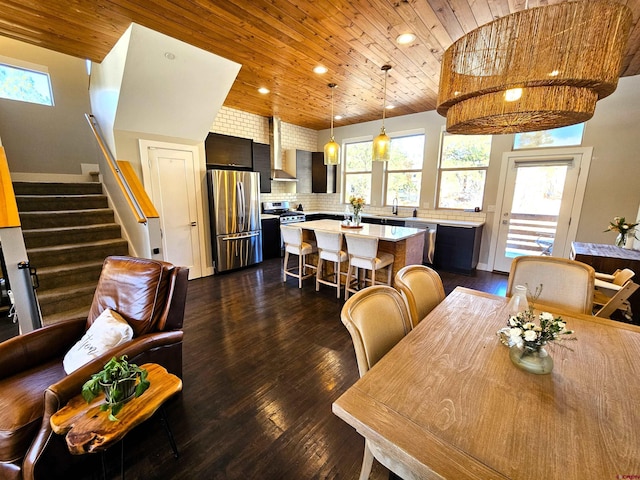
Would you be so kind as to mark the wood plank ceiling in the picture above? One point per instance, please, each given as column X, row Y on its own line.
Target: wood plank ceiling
column 279, row 42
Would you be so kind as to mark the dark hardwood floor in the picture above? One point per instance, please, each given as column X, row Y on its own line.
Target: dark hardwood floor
column 263, row 362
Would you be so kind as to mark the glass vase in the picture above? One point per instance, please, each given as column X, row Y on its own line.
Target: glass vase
column 518, row 301
column 531, row 359
column 621, row 240
column 356, row 219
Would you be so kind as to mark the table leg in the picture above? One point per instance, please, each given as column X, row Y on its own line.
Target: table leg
column 122, row 459
column 167, row 428
column 103, row 453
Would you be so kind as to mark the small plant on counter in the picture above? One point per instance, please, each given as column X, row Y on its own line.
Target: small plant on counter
column 120, row 380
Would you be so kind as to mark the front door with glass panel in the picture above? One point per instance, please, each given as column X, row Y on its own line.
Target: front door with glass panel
column 540, row 195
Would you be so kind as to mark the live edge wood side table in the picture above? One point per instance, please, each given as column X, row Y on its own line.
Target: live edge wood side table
column 88, row 430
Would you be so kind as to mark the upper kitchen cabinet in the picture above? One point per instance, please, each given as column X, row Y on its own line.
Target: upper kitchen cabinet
column 303, row 169
column 224, row 151
column 323, row 177
column 262, row 164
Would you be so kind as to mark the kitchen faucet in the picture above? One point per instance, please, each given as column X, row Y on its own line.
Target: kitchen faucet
column 394, row 208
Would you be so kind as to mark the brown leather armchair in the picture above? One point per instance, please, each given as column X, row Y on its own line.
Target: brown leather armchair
column 150, row 295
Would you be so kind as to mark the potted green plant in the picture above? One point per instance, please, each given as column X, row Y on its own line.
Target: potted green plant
column 120, row 380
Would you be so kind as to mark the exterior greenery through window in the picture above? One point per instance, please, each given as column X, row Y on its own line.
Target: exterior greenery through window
column 25, row 85
column 464, row 160
column 404, row 170
column 357, row 168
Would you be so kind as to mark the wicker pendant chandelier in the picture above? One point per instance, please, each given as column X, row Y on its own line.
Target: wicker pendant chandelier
column 331, row 148
column 536, row 69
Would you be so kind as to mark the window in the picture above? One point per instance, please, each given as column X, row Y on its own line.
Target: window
column 357, row 170
column 25, row 85
column 464, row 160
column 555, row 137
column 404, row 170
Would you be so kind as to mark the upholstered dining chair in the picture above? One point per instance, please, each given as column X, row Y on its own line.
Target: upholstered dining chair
column 422, row 289
column 566, row 284
column 148, row 295
column 295, row 244
column 330, row 250
column 377, row 319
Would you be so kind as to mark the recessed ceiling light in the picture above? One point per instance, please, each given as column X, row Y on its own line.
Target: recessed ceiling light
column 390, row 107
column 169, row 56
column 263, row 90
column 338, row 117
column 555, row 73
column 320, row 69
column 405, row 38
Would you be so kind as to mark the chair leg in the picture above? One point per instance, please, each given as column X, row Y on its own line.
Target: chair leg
column 337, row 272
column 389, row 270
column 285, row 264
column 318, row 273
column 346, row 283
column 367, row 462
column 300, row 269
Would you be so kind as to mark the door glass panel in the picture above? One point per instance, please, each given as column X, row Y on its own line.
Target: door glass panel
column 535, row 209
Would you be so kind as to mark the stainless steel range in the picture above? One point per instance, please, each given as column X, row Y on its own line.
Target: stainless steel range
column 285, row 215
column 283, row 210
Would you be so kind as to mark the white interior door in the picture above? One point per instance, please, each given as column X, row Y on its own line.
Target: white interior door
column 174, row 194
column 540, row 195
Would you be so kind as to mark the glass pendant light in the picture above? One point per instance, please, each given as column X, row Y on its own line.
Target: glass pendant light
column 332, row 149
column 382, row 141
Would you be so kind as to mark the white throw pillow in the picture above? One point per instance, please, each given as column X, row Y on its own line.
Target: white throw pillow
column 107, row 331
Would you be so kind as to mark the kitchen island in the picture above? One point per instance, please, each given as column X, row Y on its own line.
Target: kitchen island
column 404, row 243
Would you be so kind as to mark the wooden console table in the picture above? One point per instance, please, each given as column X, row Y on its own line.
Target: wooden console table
column 88, row 430
column 608, row 258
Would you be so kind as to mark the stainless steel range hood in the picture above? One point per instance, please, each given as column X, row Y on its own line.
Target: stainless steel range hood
column 275, row 139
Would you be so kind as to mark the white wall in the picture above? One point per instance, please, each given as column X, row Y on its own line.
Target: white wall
column 43, row 139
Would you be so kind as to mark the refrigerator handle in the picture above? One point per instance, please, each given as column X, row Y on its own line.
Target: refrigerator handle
column 241, row 205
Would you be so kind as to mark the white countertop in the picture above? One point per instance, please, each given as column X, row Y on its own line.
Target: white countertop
column 382, row 232
column 438, row 221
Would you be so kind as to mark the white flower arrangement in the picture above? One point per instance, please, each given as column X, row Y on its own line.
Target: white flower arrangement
column 524, row 332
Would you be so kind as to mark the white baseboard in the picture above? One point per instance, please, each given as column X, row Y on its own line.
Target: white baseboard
column 483, row 266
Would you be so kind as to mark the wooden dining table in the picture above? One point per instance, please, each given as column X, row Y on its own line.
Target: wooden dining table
column 447, row 402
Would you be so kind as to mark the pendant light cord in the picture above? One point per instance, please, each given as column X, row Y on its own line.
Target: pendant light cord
column 332, row 86
column 384, row 100
column 386, row 69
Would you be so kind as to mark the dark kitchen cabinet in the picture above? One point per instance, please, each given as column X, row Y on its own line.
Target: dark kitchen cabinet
column 457, row 248
column 383, row 221
column 323, row 177
column 270, row 238
column 262, row 164
column 226, row 152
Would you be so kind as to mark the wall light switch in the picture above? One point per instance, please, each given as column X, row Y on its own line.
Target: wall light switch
column 491, row 208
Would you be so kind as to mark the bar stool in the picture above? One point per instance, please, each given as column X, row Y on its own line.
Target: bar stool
column 293, row 243
column 363, row 253
column 330, row 249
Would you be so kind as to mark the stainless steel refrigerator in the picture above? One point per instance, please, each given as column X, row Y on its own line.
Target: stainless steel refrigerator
column 234, row 207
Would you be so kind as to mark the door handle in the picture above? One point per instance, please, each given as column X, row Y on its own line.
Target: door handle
column 194, row 224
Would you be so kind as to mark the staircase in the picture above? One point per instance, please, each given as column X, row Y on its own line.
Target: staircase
column 68, row 231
